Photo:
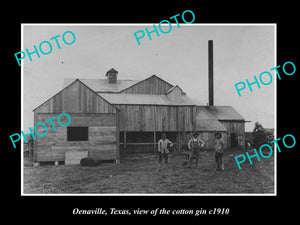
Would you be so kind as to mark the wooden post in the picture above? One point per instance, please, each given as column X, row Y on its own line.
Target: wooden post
column 178, row 141
column 118, row 137
column 30, row 148
column 34, row 151
column 124, row 142
column 154, row 135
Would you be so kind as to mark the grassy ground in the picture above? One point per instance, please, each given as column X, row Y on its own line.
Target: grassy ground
column 138, row 175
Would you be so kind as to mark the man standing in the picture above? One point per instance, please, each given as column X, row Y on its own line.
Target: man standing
column 195, row 144
column 219, row 151
column 163, row 150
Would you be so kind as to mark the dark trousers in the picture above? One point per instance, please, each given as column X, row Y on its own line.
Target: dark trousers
column 162, row 156
column 195, row 152
column 219, row 160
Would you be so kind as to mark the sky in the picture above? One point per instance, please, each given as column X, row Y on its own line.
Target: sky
column 180, row 57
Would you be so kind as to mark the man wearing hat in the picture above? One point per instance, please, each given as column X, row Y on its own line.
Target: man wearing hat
column 195, row 144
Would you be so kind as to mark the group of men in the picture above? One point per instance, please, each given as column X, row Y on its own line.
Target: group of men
column 195, row 145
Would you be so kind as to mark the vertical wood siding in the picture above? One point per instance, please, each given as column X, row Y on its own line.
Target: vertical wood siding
column 156, row 118
column 238, row 129
column 76, row 98
column 153, row 85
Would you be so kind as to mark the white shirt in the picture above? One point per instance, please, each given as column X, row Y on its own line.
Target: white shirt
column 198, row 140
column 163, row 145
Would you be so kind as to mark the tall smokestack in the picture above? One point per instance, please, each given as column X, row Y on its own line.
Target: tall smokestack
column 210, row 74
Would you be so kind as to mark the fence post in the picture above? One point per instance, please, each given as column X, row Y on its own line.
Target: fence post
column 154, row 140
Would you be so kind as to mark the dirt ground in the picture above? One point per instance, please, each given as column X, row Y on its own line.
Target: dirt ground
column 137, row 174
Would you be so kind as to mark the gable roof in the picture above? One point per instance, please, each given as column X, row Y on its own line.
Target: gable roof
column 225, row 113
column 153, row 77
column 73, row 98
column 112, row 70
column 172, row 89
column 146, row 99
column 101, row 85
column 205, row 121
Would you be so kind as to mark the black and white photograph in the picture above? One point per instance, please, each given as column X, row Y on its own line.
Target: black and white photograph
column 149, row 109
column 149, row 113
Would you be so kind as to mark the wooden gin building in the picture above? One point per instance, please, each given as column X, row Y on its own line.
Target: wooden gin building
column 111, row 117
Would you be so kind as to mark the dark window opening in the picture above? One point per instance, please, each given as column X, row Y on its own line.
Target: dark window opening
column 146, row 137
column 139, row 137
column 121, row 137
column 77, row 134
column 172, row 136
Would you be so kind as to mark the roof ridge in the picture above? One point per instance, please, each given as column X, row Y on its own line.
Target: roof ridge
column 172, row 88
column 73, row 82
column 96, row 79
column 222, row 114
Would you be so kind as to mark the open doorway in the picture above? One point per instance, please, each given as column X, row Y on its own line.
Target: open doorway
column 233, row 140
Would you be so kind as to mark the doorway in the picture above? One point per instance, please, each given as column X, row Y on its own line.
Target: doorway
column 233, row 140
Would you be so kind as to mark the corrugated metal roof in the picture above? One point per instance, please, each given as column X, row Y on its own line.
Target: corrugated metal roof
column 205, row 121
column 143, row 99
column 224, row 113
column 101, row 85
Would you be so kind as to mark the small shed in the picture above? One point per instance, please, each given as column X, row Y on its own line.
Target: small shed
column 94, row 126
column 233, row 122
column 207, row 125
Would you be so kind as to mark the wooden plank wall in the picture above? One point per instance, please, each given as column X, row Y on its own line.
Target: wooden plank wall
column 76, row 98
column 152, row 85
column 74, row 157
column 156, row 118
column 102, row 143
column 237, row 128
